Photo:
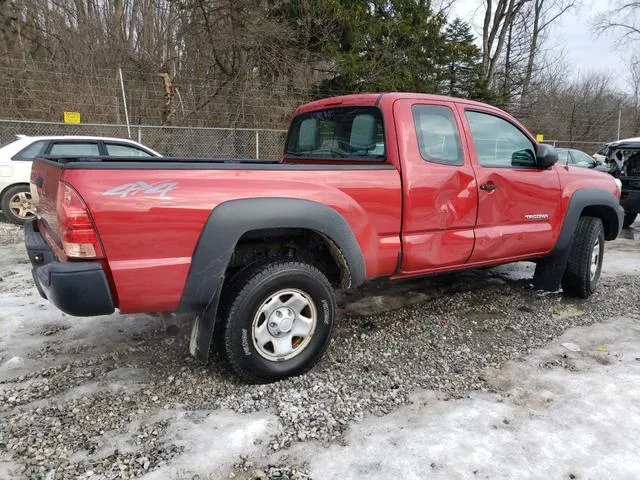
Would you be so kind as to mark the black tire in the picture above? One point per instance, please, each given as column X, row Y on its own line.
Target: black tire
column 6, row 199
column 232, row 287
column 244, row 298
column 629, row 218
column 579, row 280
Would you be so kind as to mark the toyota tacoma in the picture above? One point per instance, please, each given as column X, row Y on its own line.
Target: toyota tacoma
column 393, row 185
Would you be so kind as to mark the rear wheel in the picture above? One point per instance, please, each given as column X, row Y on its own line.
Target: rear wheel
column 629, row 218
column 585, row 259
column 17, row 204
column 278, row 321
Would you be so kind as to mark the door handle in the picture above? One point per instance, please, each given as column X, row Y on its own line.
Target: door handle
column 489, row 187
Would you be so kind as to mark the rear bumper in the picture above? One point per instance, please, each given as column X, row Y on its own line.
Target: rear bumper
column 77, row 288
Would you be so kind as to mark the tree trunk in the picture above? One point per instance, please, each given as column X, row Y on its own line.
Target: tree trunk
column 507, row 65
column 539, row 4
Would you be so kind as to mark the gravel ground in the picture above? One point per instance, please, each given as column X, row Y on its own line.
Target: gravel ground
column 104, row 408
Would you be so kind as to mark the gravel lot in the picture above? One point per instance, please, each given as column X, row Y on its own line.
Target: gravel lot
column 115, row 397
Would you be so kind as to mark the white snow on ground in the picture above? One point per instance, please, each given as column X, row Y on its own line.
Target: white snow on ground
column 213, row 441
column 621, row 256
column 556, row 414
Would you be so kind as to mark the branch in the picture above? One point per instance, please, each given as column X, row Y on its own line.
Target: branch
column 556, row 16
column 613, row 25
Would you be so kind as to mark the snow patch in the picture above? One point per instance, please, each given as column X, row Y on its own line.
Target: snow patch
column 214, row 441
column 545, row 422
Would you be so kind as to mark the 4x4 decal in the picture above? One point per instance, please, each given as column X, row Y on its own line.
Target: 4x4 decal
column 127, row 189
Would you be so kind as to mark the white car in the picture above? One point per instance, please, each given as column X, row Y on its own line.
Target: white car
column 16, row 157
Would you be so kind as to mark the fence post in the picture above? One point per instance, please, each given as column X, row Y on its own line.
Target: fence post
column 139, row 134
column 257, row 144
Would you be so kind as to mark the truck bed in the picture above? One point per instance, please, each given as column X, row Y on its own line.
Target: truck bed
column 150, row 214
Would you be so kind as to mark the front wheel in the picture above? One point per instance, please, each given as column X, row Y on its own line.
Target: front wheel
column 585, row 259
column 629, row 218
column 279, row 321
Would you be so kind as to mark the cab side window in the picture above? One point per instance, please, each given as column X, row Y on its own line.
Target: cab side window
column 499, row 143
column 437, row 133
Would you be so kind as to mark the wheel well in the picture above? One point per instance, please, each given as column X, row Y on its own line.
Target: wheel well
column 607, row 215
column 303, row 244
column 4, row 190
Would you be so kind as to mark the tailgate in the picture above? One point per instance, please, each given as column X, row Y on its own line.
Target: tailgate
column 45, row 178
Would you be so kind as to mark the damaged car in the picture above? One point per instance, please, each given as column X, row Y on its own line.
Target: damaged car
column 623, row 159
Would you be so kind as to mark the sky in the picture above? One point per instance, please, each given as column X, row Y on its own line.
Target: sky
column 585, row 51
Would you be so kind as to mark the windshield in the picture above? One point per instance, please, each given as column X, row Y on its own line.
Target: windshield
column 338, row 133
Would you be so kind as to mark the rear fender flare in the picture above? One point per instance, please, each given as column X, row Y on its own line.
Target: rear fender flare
column 227, row 223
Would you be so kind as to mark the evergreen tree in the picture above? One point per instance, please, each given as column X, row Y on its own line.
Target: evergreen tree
column 462, row 67
column 379, row 45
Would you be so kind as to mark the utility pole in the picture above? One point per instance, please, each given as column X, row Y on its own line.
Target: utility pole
column 619, row 118
column 124, row 101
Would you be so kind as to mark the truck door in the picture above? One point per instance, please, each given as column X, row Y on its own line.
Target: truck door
column 518, row 202
column 440, row 196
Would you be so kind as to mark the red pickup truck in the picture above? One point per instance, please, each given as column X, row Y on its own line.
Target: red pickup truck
column 373, row 185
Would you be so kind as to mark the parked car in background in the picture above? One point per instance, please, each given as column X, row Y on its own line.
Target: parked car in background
column 578, row 158
column 16, row 157
column 601, row 155
column 623, row 162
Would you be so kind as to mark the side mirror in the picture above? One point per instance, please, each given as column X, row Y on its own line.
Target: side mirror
column 546, row 156
column 523, row 158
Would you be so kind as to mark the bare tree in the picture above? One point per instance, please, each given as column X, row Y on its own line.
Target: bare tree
column 498, row 19
column 634, row 87
column 545, row 13
column 623, row 17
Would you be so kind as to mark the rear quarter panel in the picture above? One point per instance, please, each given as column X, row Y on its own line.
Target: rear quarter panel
column 149, row 238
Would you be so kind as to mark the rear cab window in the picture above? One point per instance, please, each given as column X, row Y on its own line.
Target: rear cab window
column 344, row 133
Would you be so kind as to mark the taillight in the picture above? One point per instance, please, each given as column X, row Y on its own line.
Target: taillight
column 78, row 234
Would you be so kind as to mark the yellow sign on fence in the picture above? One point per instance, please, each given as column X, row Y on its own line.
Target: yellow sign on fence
column 540, row 137
column 71, row 117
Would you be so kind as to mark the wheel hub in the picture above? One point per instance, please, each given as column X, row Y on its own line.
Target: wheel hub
column 280, row 321
column 21, row 205
column 284, row 324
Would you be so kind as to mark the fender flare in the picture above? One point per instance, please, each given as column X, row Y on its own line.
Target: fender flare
column 581, row 199
column 226, row 224
column 550, row 269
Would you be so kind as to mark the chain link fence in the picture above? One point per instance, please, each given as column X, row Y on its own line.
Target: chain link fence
column 190, row 142
column 197, row 142
column 586, row 146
